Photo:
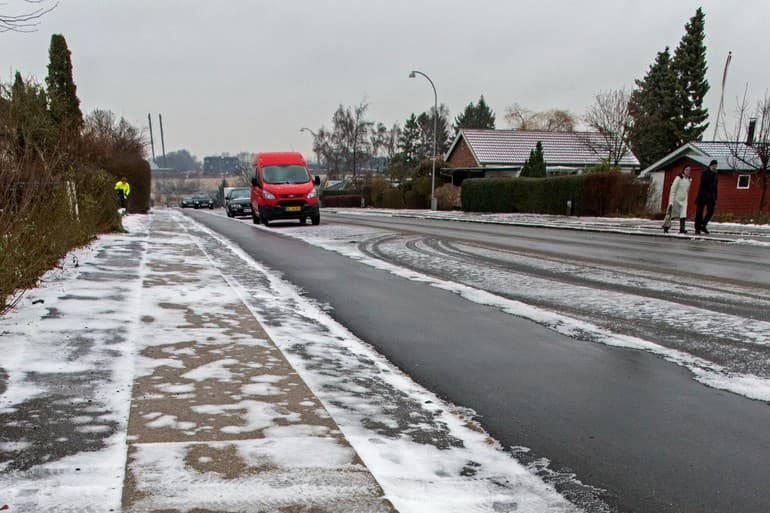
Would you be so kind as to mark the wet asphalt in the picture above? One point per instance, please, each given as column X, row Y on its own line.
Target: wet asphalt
column 622, row 420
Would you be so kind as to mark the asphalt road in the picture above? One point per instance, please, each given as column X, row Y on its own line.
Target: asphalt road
column 743, row 264
column 622, row 420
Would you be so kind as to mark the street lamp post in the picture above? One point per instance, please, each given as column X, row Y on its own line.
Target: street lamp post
column 413, row 74
column 317, row 153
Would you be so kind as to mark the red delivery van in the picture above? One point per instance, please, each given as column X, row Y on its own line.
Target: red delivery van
column 283, row 188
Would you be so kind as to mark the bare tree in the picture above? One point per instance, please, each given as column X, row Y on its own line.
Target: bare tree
column 609, row 116
column 104, row 135
column 553, row 120
column 26, row 21
column 753, row 152
column 378, row 140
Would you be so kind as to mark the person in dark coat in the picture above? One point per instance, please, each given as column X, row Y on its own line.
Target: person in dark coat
column 706, row 198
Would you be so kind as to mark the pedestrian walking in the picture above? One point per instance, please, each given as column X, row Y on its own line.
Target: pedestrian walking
column 707, row 197
column 122, row 189
column 677, row 200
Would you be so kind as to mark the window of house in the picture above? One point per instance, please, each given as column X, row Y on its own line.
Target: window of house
column 744, row 181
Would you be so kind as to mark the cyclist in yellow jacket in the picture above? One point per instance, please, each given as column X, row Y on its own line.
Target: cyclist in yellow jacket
column 122, row 189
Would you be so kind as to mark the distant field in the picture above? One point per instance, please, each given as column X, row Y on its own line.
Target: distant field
column 171, row 190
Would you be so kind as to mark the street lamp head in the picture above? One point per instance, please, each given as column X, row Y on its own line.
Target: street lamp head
column 411, row 74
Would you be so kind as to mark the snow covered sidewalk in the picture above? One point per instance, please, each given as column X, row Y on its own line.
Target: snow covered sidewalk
column 164, row 369
column 137, row 379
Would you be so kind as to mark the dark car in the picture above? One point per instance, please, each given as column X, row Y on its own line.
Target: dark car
column 238, row 202
column 187, row 202
column 202, row 200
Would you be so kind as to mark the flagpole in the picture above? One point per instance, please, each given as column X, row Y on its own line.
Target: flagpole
column 722, row 97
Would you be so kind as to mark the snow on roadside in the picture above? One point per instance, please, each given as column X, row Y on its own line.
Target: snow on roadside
column 416, row 445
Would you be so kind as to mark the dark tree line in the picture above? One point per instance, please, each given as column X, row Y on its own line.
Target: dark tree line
column 355, row 144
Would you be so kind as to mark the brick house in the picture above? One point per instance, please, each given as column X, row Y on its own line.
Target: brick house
column 487, row 153
column 738, row 187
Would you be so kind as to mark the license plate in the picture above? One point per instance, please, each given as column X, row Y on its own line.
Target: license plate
column 293, row 209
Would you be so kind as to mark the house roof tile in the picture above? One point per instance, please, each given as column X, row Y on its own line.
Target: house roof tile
column 512, row 147
column 729, row 156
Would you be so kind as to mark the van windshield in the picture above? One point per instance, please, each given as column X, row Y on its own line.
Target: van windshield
column 291, row 173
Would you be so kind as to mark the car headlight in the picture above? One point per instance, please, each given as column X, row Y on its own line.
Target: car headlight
column 312, row 194
column 268, row 195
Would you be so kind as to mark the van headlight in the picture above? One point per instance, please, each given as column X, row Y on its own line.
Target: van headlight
column 268, row 195
column 312, row 194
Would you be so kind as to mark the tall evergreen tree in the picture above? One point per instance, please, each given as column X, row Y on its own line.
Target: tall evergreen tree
column 410, row 148
column 689, row 64
column 655, row 108
column 667, row 105
column 534, row 167
column 475, row 116
column 64, row 104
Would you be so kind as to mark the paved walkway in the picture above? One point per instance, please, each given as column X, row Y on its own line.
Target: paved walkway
column 219, row 419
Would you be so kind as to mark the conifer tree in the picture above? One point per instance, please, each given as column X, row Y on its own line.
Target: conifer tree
column 64, row 104
column 655, row 108
column 409, row 142
column 475, row 116
column 667, row 105
column 689, row 64
column 534, row 167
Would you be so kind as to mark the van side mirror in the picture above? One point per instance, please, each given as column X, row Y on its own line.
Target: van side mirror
column 317, row 180
column 255, row 181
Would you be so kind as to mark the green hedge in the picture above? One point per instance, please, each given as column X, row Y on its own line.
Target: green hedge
column 596, row 194
column 137, row 172
column 342, row 201
column 331, row 193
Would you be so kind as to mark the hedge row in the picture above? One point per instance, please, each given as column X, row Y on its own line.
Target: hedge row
column 596, row 194
column 341, row 201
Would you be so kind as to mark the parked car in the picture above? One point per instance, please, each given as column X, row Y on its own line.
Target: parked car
column 283, row 188
column 238, row 202
column 187, row 202
column 202, row 200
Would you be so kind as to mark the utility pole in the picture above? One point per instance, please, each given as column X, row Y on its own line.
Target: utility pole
column 162, row 142
column 152, row 142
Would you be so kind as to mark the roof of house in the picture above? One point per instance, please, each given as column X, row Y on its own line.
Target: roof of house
column 729, row 156
column 512, row 147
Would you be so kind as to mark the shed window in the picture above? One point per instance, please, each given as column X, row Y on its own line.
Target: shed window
column 744, row 181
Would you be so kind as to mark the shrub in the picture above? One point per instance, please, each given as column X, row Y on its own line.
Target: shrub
column 448, row 197
column 392, row 198
column 373, row 189
column 594, row 194
column 342, row 201
column 613, row 193
column 137, row 171
column 414, row 200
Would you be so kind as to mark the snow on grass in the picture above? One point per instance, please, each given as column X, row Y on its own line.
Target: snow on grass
column 94, row 294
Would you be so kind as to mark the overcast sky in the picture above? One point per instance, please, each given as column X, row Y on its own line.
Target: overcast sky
column 231, row 76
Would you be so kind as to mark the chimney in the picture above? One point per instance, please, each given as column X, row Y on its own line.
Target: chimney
column 750, row 131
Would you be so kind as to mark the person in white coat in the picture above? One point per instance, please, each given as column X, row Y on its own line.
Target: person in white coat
column 677, row 197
